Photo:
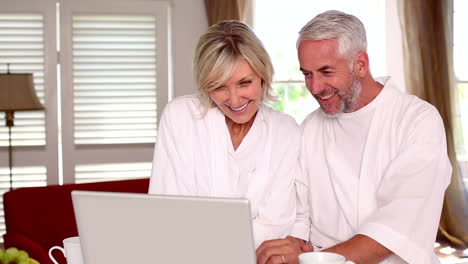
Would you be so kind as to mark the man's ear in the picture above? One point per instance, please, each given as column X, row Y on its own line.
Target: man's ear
column 361, row 64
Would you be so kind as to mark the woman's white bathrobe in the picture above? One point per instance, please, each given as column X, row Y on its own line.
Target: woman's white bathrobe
column 194, row 156
column 397, row 197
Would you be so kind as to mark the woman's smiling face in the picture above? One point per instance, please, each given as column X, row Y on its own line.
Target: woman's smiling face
column 241, row 95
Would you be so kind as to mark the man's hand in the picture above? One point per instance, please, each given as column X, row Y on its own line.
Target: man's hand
column 279, row 251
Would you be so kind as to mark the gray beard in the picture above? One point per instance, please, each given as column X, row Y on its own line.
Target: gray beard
column 350, row 98
column 353, row 95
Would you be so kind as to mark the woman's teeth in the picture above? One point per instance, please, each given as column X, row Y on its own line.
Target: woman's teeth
column 240, row 108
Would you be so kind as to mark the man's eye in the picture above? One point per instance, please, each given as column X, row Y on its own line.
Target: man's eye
column 307, row 75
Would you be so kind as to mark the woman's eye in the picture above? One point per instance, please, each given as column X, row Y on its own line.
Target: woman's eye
column 245, row 83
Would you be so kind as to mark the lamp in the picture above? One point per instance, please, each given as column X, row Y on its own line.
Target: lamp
column 16, row 94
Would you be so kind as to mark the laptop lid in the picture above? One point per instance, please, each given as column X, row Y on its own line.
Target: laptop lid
column 122, row 228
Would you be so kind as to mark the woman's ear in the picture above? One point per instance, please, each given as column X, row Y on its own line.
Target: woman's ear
column 361, row 64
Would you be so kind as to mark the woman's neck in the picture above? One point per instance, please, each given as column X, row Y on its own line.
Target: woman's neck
column 238, row 131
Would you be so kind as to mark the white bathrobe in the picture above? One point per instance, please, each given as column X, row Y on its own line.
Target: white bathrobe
column 194, row 156
column 396, row 198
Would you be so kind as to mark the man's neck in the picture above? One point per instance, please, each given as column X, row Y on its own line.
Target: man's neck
column 369, row 91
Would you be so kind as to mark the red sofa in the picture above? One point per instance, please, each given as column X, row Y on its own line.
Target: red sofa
column 38, row 218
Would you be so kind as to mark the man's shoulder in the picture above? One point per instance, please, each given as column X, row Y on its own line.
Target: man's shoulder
column 408, row 106
column 411, row 118
column 395, row 99
column 313, row 119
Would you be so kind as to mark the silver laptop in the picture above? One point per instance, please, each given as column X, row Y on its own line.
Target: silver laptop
column 122, row 228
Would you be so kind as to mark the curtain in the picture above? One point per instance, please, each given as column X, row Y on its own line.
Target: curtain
column 426, row 26
column 219, row 10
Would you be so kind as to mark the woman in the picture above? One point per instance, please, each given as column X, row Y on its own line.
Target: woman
column 224, row 142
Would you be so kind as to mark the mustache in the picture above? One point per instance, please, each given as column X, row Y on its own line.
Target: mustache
column 328, row 91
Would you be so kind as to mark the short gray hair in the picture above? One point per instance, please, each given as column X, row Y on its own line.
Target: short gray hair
column 347, row 29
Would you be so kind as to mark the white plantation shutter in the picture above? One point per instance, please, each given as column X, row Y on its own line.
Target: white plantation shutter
column 114, row 79
column 22, row 45
column 112, row 172
column 114, row 61
column 31, row 176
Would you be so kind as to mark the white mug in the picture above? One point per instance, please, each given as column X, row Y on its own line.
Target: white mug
column 322, row 258
column 71, row 250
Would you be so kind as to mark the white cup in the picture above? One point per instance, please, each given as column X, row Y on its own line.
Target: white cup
column 71, row 250
column 322, row 258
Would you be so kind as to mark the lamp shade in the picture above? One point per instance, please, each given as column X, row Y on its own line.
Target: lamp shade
column 17, row 92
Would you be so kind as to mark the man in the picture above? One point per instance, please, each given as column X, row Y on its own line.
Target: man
column 374, row 159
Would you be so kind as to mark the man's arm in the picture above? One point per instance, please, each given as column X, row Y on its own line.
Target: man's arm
column 361, row 249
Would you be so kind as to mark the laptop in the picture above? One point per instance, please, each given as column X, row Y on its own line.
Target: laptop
column 122, row 228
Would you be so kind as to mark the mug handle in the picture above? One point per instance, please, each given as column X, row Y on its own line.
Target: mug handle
column 52, row 249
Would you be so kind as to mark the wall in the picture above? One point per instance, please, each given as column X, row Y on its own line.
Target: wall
column 189, row 22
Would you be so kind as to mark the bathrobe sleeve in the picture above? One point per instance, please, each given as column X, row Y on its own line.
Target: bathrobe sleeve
column 173, row 167
column 277, row 213
column 411, row 191
column 301, row 228
column 277, row 208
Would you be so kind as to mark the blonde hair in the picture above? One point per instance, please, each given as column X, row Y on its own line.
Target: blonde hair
column 217, row 55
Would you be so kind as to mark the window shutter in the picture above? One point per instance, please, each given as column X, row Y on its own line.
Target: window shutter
column 112, row 172
column 22, row 46
column 114, row 79
column 115, row 76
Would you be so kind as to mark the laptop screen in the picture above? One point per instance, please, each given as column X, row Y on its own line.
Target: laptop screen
column 122, row 228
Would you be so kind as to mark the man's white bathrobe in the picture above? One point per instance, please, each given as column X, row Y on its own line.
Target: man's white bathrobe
column 194, row 156
column 396, row 195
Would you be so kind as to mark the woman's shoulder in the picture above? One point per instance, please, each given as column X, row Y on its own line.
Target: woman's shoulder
column 183, row 104
column 190, row 100
column 283, row 129
column 280, row 120
column 182, row 110
column 277, row 115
